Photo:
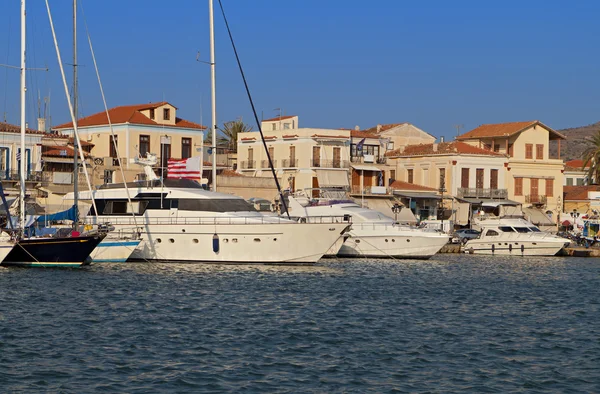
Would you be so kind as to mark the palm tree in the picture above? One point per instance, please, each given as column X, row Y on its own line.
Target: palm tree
column 591, row 157
column 230, row 133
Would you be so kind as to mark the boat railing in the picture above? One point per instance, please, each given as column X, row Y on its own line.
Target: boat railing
column 233, row 220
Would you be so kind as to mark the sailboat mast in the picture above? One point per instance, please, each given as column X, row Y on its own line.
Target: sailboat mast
column 23, row 90
column 213, row 95
column 75, row 110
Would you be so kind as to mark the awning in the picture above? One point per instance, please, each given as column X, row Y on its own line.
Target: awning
column 332, row 178
column 488, row 202
column 365, row 167
column 537, row 216
column 429, row 196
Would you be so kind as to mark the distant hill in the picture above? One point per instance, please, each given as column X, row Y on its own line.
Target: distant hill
column 577, row 141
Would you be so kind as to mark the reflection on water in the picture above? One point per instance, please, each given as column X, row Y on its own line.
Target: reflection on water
column 452, row 323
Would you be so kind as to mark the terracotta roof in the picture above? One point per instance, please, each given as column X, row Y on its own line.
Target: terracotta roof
column 291, row 136
column 328, row 136
column 276, row 119
column 363, row 134
column 401, row 185
column 384, row 127
column 11, row 128
column 579, row 193
column 576, row 165
column 443, row 148
column 59, row 151
column 504, row 130
column 270, row 137
column 128, row 114
column 248, row 139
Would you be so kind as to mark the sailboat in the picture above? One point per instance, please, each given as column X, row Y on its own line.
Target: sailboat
column 30, row 251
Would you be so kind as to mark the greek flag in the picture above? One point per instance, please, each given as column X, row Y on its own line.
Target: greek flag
column 18, row 154
column 360, row 144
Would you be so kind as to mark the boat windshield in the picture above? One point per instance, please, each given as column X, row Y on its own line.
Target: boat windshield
column 506, row 229
column 535, row 230
column 216, row 205
column 522, row 229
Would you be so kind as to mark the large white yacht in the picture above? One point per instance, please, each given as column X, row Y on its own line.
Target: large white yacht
column 180, row 221
column 514, row 236
column 373, row 234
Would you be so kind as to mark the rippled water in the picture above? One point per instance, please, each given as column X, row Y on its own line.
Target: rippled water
column 454, row 323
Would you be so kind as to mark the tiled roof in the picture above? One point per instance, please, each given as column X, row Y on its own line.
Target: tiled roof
column 576, row 165
column 278, row 118
column 328, row 136
column 504, row 130
column 443, row 148
column 128, row 114
column 11, row 128
column 401, row 185
column 579, row 193
column 384, row 127
column 291, row 136
column 248, row 139
column 59, row 151
column 363, row 134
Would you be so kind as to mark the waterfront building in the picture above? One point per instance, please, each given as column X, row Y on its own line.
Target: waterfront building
column 575, row 173
column 139, row 129
column 533, row 178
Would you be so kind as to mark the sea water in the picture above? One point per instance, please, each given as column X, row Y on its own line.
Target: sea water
column 453, row 323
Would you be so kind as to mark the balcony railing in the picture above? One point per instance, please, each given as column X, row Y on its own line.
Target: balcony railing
column 467, row 192
column 32, row 176
column 289, row 163
column 536, row 199
column 376, row 190
column 265, row 163
column 330, row 163
column 376, row 159
column 248, row 164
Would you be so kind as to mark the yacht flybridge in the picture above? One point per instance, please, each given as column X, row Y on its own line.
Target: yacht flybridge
column 179, row 221
column 514, row 236
column 372, row 234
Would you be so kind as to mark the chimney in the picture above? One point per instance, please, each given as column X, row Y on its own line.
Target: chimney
column 42, row 124
column 441, row 139
column 378, row 128
column 435, row 147
column 356, row 128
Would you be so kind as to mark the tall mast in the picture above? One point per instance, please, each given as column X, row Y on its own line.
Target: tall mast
column 23, row 90
column 75, row 111
column 213, row 95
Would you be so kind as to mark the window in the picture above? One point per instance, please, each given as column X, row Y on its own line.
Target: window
column 550, row 187
column 518, row 186
column 250, row 158
column 529, row 151
column 274, row 126
column 510, row 150
column 152, row 113
column 108, row 176
column 410, row 175
column 166, row 113
column 337, row 157
column 271, row 151
column 144, row 145
column 442, row 178
column 506, row 229
column 286, row 126
column 353, row 152
column 216, row 205
column 292, row 156
column 316, row 152
column 392, row 175
column 496, row 148
column 493, row 179
column 464, row 178
column 539, row 151
column 186, row 148
column 580, row 181
column 534, row 183
column 492, row 233
column 113, row 145
column 479, row 178
column 570, row 182
column 165, row 154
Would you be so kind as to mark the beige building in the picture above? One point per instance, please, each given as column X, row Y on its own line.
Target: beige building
column 532, row 177
column 302, row 157
column 139, row 129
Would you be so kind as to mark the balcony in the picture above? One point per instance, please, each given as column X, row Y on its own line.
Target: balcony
column 361, row 159
column 467, row 192
column 371, row 190
column 289, row 163
column 536, row 199
column 265, row 163
column 248, row 164
column 330, row 163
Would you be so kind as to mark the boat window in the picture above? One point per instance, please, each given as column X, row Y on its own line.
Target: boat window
column 506, row 229
column 124, row 207
column 492, row 233
column 216, row 205
column 535, row 230
column 522, row 229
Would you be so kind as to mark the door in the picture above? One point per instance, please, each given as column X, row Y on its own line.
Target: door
column 494, row 179
column 464, row 178
column 337, row 157
column 479, row 178
column 316, row 159
column 315, row 185
column 292, row 156
column 534, row 189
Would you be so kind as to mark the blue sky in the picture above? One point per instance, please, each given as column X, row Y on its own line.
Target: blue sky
column 335, row 63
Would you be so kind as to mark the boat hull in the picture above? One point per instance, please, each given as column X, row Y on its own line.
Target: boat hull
column 515, row 248
column 52, row 252
column 393, row 246
column 114, row 250
column 254, row 243
column 5, row 248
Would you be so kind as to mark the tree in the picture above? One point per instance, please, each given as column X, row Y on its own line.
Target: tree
column 591, row 157
column 230, row 133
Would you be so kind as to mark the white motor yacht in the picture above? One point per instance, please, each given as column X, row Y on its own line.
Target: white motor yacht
column 179, row 221
column 372, row 234
column 514, row 236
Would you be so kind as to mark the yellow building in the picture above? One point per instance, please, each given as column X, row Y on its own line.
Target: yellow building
column 532, row 177
column 139, row 129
